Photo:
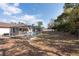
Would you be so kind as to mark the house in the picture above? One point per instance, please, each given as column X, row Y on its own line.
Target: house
column 12, row 28
column 4, row 28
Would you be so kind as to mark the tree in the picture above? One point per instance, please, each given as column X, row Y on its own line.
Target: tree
column 69, row 5
column 39, row 26
column 68, row 20
column 51, row 24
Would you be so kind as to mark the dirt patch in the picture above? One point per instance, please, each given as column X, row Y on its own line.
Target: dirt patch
column 45, row 44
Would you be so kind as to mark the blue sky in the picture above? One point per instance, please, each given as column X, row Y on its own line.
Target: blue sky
column 30, row 13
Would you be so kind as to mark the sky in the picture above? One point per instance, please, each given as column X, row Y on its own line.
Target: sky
column 30, row 13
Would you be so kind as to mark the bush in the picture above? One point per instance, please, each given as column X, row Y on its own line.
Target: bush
column 66, row 27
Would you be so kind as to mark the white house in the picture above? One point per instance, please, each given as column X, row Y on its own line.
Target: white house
column 12, row 28
column 4, row 28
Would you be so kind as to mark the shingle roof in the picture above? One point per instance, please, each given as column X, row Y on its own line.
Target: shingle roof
column 4, row 25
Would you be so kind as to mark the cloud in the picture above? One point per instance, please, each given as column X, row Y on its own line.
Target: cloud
column 16, row 4
column 27, row 19
column 31, row 19
column 3, row 20
column 10, row 9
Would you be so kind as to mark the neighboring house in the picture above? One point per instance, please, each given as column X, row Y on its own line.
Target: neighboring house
column 4, row 28
column 13, row 29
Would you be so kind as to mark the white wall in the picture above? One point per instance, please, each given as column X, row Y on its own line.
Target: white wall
column 4, row 30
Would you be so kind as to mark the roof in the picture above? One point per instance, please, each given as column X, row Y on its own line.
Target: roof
column 9, row 25
column 4, row 25
column 18, row 25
